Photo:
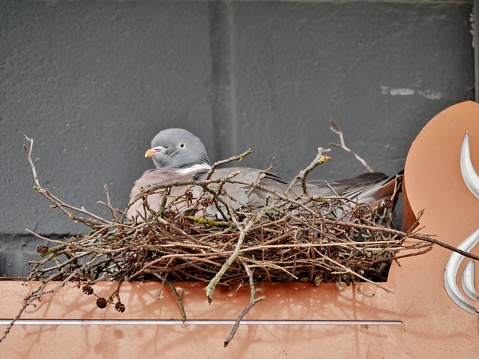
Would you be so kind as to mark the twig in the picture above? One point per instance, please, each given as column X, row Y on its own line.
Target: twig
column 335, row 128
column 319, row 159
column 243, row 230
column 253, row 300
column 32, row 297
column 95, row 221
column 179, row 298
column 114, row 211
column 231, row 159
column 421, row 237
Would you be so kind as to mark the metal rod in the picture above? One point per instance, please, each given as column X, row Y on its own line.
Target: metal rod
column 195, row 322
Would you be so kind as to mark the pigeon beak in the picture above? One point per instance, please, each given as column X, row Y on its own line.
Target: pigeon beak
column 153, row 151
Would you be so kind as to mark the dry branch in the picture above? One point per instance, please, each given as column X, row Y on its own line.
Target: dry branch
column 337, row 130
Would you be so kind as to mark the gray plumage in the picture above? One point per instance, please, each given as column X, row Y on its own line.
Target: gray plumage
column 179, row 156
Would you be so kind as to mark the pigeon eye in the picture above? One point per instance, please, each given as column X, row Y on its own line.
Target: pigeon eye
column 182, row 144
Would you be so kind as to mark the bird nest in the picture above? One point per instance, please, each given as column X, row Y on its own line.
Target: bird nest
column 291, row 238
column 285, row 241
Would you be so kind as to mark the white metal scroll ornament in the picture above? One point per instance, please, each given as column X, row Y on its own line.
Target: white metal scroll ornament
column 471, row 180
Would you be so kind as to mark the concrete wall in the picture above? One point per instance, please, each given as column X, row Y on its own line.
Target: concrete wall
column 91, row 82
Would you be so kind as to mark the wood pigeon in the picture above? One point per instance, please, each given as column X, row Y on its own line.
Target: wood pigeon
column 180, row 156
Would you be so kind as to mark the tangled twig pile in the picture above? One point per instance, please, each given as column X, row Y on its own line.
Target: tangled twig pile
column 285, row 241
column 288, row 239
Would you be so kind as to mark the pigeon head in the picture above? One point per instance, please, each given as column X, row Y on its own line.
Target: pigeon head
column 177, row 148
